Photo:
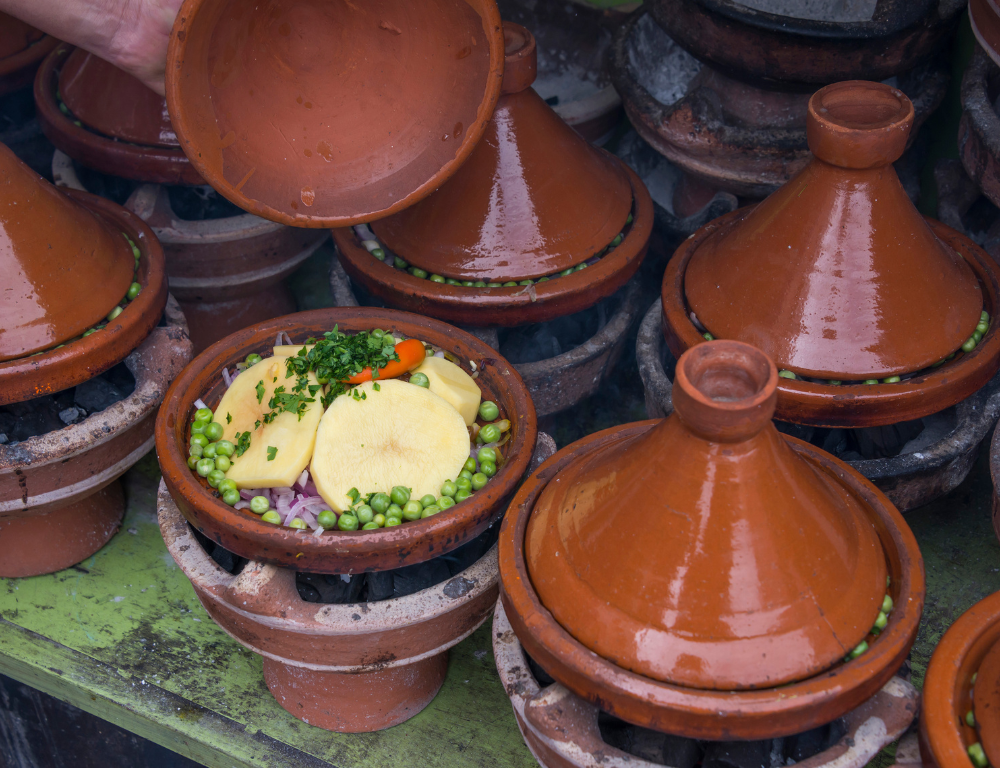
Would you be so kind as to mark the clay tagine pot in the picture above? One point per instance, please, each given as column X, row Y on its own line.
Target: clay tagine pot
column 22, row 48
column 341, row 552
column 533, row 200
column 963, row 677
column 108, row 120
column 366, row 134
column 841, row 281
column 68, row 264
column 985, row 18
column 703, row 601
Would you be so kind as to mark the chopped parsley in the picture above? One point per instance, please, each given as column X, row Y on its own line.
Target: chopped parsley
column 271, row 452
column 376, row 387
column 260, row 391
column 242, row 443
column 229, row 418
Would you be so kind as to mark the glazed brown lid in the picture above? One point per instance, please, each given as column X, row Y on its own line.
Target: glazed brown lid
column 533, row 199
column 706, row 552
column 836, row 275
column 319, row 114
column 15, row 35
column 113, row 102
column 64, row 267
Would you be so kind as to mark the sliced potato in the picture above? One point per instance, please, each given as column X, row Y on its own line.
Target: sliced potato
column 292, row 437
column 453, row 384
column 287, row 350
column 401, row 434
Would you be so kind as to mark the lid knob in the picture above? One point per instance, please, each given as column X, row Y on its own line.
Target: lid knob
column 520, row 65
column 725, row 391
column 858, row 124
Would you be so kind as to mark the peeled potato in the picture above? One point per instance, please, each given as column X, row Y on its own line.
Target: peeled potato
column 287, row 350
column 401, row 434
column 453, row 384
column 292, row 437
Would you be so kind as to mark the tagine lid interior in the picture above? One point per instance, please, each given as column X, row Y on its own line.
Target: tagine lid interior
column 114, row 102
column 533, row 199
column 836, row 275
column 64, row 267
column 706, row 552
column 320, row 114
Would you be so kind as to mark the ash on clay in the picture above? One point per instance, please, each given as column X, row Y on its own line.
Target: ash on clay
column 541, row 341
column 816, row 10
column 680, row 752
column 32, row 418
column 658, row 64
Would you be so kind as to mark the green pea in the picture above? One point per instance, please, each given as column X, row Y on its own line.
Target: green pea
column 224, row 448
column 452, row 281
column 786, row 374
column 982, row 328
column 205, row 466
column 489, row 434
column 259, row 505
column 192, row 461
column 488, row 468
column 378, row 253
column 580, row 267
column 969, row 345
column 858, row 649
column 566, row 272
column 488, row 410
column 446, row 502
column 479, row 480
column 970, row 719
column 462, row 495
column 230, row 497
column 253, row 359
column 379, row 520
column 466, row 474
column 479, row 284
column 214, row 431
column 629, row 219
column 398, row 263
column 448, row 489
column 542, row 280
column 707, row 336
column 114, row 313
column 417, row 272
column 494, row 285
column 209, row 451
column 347, row 522
column 198, row 428
column 370, row 526
column 223, row 463
column 510, row 284
column 196, row 450
column 364, row 514
column 298, row 522
column 394, row 511
column 227, row 485
column 203, row 414
column 412, row 510
column 835, row 382
column 887, row 604
column 427, row 500
column 617, row 241
column 881, row 621
column 486, row 454
column 464, row 484
column 380, row 502
column 392, row 522
column 400, row 495
column 326, row 519
column 437, row 279
column 271, row 517
column 215, row 477
column 421, row 380
column 977, row 755
column 198, row 438
column 527, row 282
column 984, row 317
column 467, row 283
column 871, row 381
column 133, row 291
column 972, row 680
column 430, row 509
column 470, row 466
column 891, row 380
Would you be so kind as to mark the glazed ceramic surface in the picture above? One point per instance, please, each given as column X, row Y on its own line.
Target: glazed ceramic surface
column 113, row 102
column 836, row 275
column 21, row 50
column 984, row 16
column 320, row 113
column 672, row 557
column 533, row 199
column 15, row 35
column 341, row 551
column 65, row 266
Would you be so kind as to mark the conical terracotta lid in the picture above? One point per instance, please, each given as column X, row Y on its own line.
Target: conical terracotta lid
column 533, row 199
column 63, row 268
column 706, row 552
column 113, row 102
column 836, row 275
column 15, row 35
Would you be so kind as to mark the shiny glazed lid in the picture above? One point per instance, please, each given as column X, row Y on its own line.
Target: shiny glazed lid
column 321, row 113
column 706, row 552
column 986, row 703
column 533, row 199
column 64, row 267
column 836, row 275
column 113, row 102
column 16, row 36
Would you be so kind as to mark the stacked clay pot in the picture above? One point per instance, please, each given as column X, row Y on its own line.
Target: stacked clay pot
column 22, row 49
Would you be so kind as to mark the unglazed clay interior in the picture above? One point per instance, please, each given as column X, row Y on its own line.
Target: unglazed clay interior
column 729, row 381
column 858, row 108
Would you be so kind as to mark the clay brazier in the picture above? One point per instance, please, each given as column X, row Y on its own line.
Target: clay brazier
column 734, row 592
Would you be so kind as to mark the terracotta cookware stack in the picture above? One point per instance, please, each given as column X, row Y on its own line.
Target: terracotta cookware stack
column 68, row 264
column 22, row 49
column 531, row 206
column 226, row 272
column 357, row 667
column 721, row 87
column 705, row 576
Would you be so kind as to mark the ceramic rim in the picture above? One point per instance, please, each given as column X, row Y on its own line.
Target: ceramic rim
column 15, row 71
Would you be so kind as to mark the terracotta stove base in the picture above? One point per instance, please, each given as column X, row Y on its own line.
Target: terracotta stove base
column 561, row 729
column 71, row 533
column 909, row 480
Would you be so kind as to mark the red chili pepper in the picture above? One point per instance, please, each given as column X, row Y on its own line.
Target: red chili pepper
column 411, row 353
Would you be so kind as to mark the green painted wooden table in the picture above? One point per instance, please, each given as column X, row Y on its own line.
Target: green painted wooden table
column 123, row 637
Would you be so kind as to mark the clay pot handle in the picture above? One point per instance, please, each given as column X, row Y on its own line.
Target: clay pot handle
column 725, row 391
column 520, row 66
column 858, row 124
